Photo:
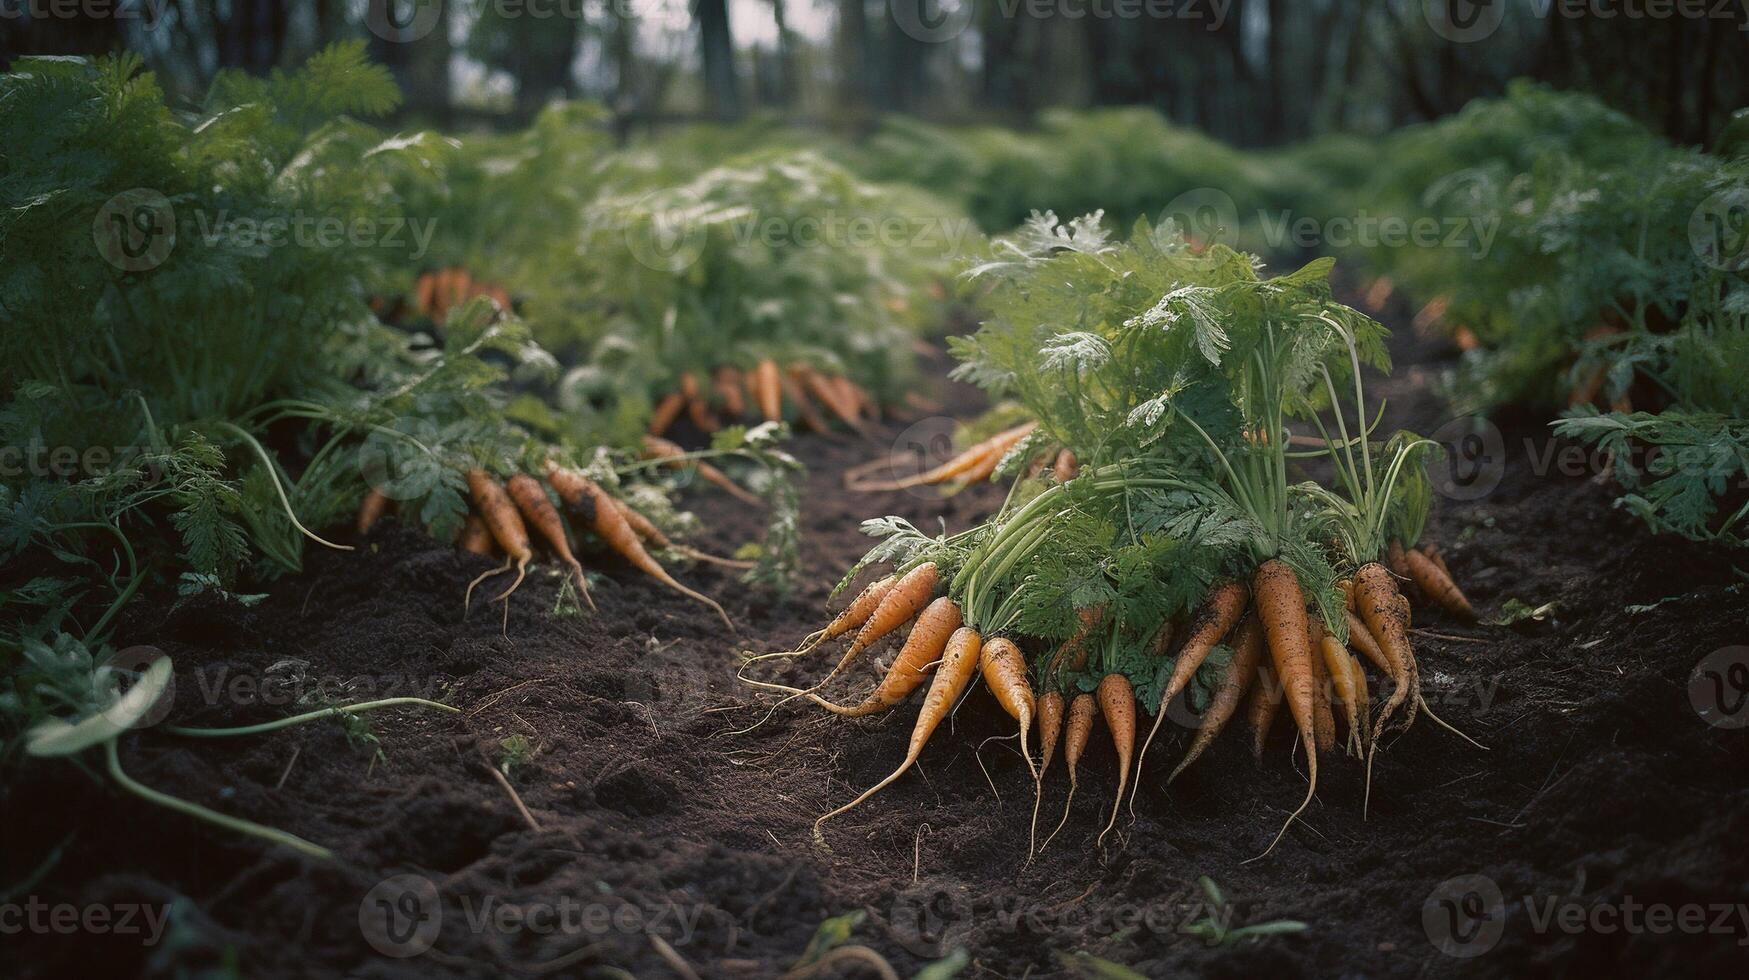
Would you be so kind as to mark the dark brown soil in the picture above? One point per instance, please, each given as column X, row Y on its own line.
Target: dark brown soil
column 1601, row 784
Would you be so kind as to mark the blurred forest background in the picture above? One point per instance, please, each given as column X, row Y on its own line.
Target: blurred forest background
column 1251, row 72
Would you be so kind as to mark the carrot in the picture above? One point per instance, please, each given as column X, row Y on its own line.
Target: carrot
column 1050, row 727
column 697, row 408
column 828, row 395
column 1395, row 560
column 1247, row 656
column 425, row 294
column 726, row 382
column 650, row 532
column 1079, row 730
column 985, row 467
column 1281, row 605
column 1437, row 584
column 928, row 639
column 1336, row 661
column 805, row 413
column 1265, row 704
column 372, row 508
column 871, row 406
column 583, row 497
column 1076, row 645
column 667, row 410
column 1347, row 588
column 656, row 447
column 1065, row 467
column 1363, row 706
column 1117, row 702
column 539, row 513
column 1323, row 718
column 501, row 518
column 852, row 396
column 997, row 446
column 1379, row 293
column 1376, row 594
column 958, row 663
column 1213, row 619
column 474, row 537
column 907, row 596
column 769, row 390
column 1004, row 670
column 1360, row 638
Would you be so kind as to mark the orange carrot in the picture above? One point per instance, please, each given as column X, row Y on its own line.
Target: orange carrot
column 1065, row 467
column 656, row 447
column 583, row 497
column 904, row 600
column 650, row 532
column 1117, row 702
column 1004, row 669
column 1281, row 605
column 501, row 518
column 474, row 537
column 1217, row 615
column 1396, row 561
column 1078, row 730
column 726, row 382
column 916, row 659
column 1247, row 656
column 667, row 410
column 372, row 508
column 1363, row 706
column 1265, row 704
column 1336, row 661
column 1050, row 727
column 1323, row 717
column 538, row 512
column 805, row 412
column 958, row 663
column 1360, row 638
column 769, row 388
column 1437, row 585
column 1376, row 594
column 828, row 395
column 697, row 407
column 974, row 456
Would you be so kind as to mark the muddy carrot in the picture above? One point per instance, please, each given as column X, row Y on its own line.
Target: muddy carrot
column 1214, row 618
column 1241, row 672
column 916, row 659
column 372, row 508
column 958, row 664
column 1323, row 717
column 539, row 513
column 499, row 513
column 904, row 600
column 1436, row 584
column 1281, row 605
column 1264, row 705
column 1077, row 731
column 1117, row 703
column 583, row 497
column 474, row 536
column 1336, row 664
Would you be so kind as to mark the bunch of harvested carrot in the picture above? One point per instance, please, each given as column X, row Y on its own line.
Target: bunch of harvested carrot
column 762, row 392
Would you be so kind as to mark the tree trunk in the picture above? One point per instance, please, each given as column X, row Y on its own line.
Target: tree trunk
column 717, row 53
